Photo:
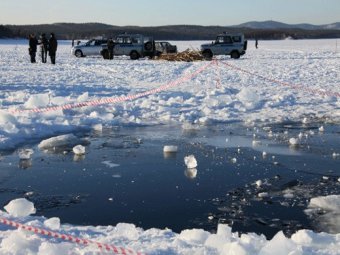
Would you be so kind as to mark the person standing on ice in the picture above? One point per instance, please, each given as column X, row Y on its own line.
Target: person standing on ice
column 43, row 48
column 110, row 46
column 33, row 42
column 53, row 45
column 256, row 43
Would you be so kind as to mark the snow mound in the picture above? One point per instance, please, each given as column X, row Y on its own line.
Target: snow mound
column 249, row 98
column 25, row 153
column 170, row 148
column 20, row 207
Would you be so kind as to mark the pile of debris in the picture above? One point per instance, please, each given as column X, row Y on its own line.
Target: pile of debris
column 187, row 56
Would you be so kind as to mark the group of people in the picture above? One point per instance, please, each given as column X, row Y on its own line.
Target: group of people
column 46, row 46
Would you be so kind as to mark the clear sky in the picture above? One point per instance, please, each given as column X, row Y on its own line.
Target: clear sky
column 168, row 12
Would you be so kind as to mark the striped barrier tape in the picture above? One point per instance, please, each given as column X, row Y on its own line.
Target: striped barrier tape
column 114, row 100
column 295, row 86
column 103, row 247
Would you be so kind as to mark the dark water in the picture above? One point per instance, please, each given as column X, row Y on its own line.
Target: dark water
column 126, row 177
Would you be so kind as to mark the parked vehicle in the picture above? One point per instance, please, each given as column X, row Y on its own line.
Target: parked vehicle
column 90, row 48
column 133, row 45
column 165, row 47
column 232, row 44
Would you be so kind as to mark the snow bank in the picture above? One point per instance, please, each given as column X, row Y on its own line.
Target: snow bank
column 156, row 241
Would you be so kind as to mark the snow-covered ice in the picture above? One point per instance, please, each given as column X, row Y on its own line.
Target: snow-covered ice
column 310, row 67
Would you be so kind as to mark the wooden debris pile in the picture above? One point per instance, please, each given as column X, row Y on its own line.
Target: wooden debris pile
column 187, row 56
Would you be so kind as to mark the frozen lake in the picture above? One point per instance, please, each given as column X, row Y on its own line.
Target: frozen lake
column 239, row 118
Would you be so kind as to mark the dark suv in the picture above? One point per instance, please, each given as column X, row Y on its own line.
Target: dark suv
column 133, row 45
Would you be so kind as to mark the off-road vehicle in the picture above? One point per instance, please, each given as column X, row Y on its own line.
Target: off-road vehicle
column 133, row 45
column 232, row 44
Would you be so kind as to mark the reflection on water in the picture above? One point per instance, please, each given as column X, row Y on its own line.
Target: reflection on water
column 191, row 173
column 25, row 163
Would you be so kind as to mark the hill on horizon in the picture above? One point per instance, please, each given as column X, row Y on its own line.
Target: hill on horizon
column 265, row 30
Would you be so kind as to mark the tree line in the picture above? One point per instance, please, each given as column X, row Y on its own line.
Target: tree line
column 69, row 31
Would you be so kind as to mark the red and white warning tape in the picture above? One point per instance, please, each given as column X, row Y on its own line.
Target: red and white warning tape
column 169, row 85
column 117, row 99
column 69, row 238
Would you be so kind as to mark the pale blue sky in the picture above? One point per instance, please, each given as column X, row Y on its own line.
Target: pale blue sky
column 168, row 12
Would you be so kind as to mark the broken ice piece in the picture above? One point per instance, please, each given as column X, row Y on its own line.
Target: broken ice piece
column 263, row 194
column 293, row 141
column 79, row 149
column 258, row 183
column 190, row 161
column 170, row 148
column 321, row 129
column 25, row 153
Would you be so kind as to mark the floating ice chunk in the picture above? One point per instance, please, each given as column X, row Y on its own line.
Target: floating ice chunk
column 321, row 129
column 52, row 223
column 234, row 160
column 20, row 207
column 304, row 120
column 25, row 153
column 79, row 150
column 293, row 141
column 264, row 154
column 325, row 178
column 170, row 148
column 58, row 141
column 300, row 135
column 258, row 183
column 190, row 161
column 263, row 194
column 288, row 195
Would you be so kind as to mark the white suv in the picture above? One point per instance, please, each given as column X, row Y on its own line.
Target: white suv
column 90, row 48
column 232, row 44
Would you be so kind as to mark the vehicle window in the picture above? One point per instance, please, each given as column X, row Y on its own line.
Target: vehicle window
column 227, row 39
column 92, row 43
column 120, row 40
column 237, row 38
column 97, row 43
column 220, row 39
column 127, row 40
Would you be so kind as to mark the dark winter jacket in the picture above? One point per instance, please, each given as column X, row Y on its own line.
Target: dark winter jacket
column 110, row 44
column 33, row 42
column 53, row 44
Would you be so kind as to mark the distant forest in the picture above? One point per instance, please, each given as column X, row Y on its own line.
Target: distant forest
column 69, row 31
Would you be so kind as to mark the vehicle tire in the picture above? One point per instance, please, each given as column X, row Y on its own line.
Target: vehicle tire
column 207, row 55
column 235, row 54
column 105, row 54
column 134, row 55
column 148, row 46
column 79, row 54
